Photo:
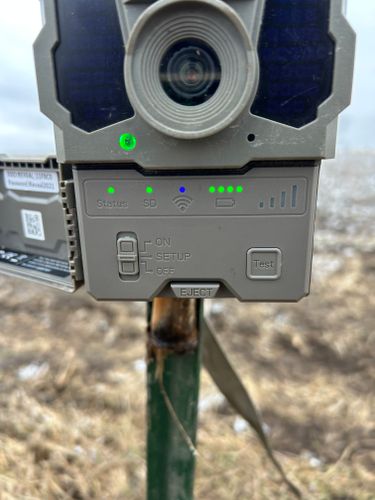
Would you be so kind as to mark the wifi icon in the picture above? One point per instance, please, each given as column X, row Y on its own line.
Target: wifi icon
column 182, row 202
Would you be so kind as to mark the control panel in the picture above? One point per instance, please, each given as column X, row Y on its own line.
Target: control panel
column 247, row 236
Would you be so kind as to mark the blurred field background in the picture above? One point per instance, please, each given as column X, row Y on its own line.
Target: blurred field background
column 72, row 378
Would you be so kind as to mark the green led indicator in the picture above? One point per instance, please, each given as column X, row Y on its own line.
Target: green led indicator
column 149, row 189
column 230, row 189
column 212, row 189
column 128, row 142
column 239, row 189
column 221, row 189
column 111, row 190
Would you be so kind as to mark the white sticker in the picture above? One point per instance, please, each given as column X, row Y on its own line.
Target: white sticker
column 32, row 223
column 23, row 180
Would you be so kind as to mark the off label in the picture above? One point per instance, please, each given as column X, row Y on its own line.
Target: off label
column 37, row 182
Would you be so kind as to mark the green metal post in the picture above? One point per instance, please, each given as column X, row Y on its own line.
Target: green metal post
column 173, row 389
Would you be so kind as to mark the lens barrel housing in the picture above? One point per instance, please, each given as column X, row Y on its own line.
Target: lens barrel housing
column 190, row 68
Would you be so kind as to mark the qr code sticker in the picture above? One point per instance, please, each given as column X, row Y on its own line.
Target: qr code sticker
column 32, row 223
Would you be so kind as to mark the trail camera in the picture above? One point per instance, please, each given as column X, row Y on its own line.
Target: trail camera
column 194, row 131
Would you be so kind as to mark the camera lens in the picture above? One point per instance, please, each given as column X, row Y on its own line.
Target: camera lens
column 190, row 67
column 190, row 72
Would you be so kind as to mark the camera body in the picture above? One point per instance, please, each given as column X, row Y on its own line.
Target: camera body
column 286, row 71
column 193, row 132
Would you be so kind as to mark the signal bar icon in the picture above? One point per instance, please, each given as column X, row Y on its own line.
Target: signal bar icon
column 283, row 199
column 182, row 202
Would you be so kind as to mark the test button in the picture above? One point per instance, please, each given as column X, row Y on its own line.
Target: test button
column 264, row 263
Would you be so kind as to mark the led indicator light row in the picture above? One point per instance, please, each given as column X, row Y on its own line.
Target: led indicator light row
column 149, row 190
column 228, row 189
column 182, row 189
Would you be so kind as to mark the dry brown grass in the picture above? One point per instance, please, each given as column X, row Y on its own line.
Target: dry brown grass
column 72, row 397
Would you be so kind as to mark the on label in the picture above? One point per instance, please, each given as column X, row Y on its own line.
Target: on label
column 32, row 223
column 39, row 182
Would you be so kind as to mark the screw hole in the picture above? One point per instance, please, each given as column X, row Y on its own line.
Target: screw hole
column 251, row 137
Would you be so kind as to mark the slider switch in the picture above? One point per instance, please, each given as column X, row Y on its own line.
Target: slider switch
column 127, row 254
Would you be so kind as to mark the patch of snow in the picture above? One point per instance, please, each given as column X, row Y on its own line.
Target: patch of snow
column 211, row 402
column 33, row 371
column 140, row 365
column 240, row 425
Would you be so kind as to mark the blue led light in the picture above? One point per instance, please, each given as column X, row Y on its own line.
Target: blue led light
column 182, row 189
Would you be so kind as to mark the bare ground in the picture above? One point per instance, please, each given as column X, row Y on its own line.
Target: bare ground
column 72, row 384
